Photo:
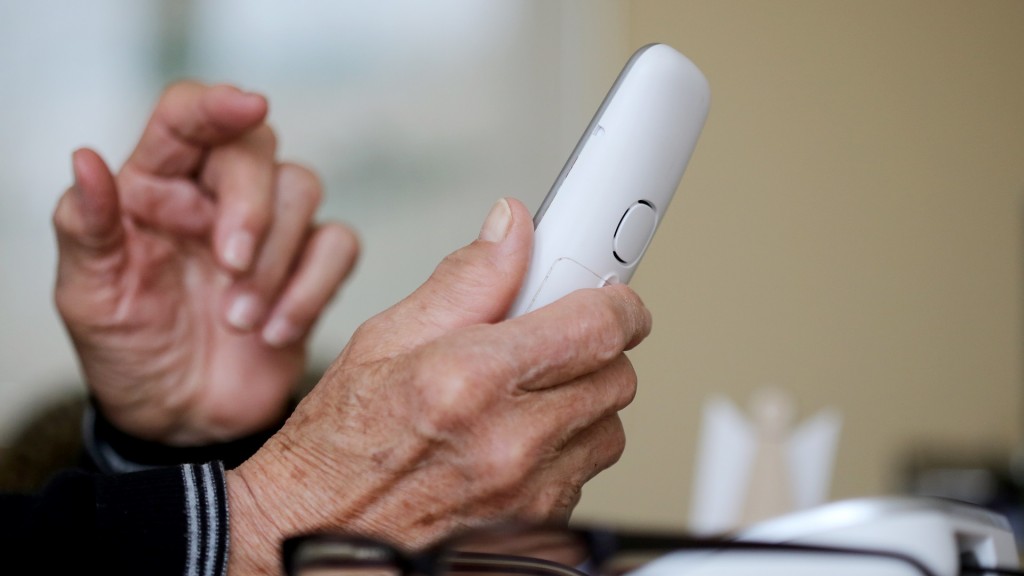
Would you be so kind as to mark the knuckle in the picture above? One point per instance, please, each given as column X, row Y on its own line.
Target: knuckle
column 469, row 272
column 626, row 381
column 63, row 298
column 261, row 140
column 266, row 136
column 506, row 464
column 176, row 94
column 176, row 90
column 181, row 86
column 450, row 391
column 452, row 263
column 343, row 242
column 608, row 446
column 298, row 183
column 61, row 216
column 614, row 442
column 369, row 335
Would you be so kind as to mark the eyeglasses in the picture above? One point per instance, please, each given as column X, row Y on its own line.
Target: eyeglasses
column 532, row 550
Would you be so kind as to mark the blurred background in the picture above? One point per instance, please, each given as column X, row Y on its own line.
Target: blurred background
column 848, row 233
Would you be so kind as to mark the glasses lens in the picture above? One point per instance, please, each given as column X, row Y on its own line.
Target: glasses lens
column 764, row 563
column 339, row 557
column 527, row 551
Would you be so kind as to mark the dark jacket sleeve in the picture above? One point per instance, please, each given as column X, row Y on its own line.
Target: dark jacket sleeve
column 112, row 451
column 162, row 521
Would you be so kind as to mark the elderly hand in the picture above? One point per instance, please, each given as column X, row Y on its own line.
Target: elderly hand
column 440, row 415
column 190, row 281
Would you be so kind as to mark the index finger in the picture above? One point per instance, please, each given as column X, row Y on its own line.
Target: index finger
column 190, row 117
column 572, row 337
column 579, row 334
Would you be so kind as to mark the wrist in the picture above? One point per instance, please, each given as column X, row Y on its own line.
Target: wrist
column 255, row 537
column 277, row 494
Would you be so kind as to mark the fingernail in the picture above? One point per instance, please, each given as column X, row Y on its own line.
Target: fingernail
column 244, row 312
column 253, row 97
column 496, row 225
column 74, row 173
column 279, row 333
column 239, row 250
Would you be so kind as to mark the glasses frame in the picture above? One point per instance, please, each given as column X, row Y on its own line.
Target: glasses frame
column 602, row 543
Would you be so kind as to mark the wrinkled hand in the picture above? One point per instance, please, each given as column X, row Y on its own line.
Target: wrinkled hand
column 439, row 415
column 190, row 281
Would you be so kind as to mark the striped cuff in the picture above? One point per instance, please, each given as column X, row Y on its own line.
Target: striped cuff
column 169, row 521
column 206, row 510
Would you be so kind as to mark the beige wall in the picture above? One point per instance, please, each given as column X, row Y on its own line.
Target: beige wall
column 849, row 229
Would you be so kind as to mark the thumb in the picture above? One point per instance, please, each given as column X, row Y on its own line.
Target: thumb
column 473, row 285
column 87, row 221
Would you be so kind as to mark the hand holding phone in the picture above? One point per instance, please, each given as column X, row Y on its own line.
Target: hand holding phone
column 600, row 215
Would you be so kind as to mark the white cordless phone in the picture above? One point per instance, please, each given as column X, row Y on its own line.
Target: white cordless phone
column 602, row 211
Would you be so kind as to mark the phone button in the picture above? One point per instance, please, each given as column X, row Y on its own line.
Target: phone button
column 634, row 232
